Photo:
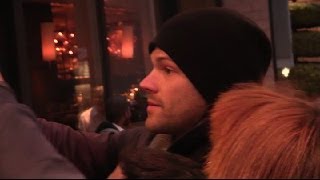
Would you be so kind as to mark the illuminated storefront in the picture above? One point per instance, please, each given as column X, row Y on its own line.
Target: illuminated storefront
column 66, row 49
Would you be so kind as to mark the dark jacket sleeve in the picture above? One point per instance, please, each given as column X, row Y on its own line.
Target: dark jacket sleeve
column 94, row 154
column 25, row 152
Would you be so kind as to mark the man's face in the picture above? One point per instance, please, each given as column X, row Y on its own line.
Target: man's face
column 174, row 105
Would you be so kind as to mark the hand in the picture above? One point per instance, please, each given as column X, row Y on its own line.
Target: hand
column 154, row 164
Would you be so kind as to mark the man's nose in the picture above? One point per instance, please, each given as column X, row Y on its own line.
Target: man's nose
column 148, row 84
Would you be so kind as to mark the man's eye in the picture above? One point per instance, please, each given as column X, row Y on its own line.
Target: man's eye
column 168, row 70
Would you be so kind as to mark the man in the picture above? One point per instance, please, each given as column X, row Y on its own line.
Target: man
column 118, row 115
column 195, row 56
column 91, row 118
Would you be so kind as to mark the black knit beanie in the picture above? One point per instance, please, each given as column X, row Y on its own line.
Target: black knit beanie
column 215, row 47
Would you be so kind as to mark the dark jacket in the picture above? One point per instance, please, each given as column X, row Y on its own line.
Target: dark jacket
column 96, row 155
column 25, row 152
column 105, row 125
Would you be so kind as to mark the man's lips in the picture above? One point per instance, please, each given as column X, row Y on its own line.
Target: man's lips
column 152, row 103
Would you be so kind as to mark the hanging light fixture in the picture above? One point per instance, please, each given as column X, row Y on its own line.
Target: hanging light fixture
column 127, row 42
column 48, row 41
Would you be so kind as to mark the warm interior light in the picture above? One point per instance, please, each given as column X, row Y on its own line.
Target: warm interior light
column 127, row 42
column 47, row 40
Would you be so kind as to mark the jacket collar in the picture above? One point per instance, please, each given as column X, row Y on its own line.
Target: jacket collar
column 195, row 143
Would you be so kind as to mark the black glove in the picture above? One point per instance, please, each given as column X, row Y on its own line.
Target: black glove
column 147, row 163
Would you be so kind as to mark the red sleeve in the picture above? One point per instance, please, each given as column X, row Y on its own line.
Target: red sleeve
column 96, row 155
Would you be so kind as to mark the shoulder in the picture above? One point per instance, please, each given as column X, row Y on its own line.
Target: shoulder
column 105, row 125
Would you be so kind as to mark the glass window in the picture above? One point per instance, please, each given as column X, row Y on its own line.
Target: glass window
column 129, row 28
column 59, row 57
column 65, row 71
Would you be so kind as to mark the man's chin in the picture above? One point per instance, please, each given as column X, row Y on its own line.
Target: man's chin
column 160, row 130
column 150, row 126
column 153, row 126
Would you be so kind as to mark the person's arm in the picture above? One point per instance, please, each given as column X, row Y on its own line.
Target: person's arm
column 25, row 152
column 94, row 154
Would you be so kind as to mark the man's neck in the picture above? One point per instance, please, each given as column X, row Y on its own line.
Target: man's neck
column 194, row 143
column 179, row 135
